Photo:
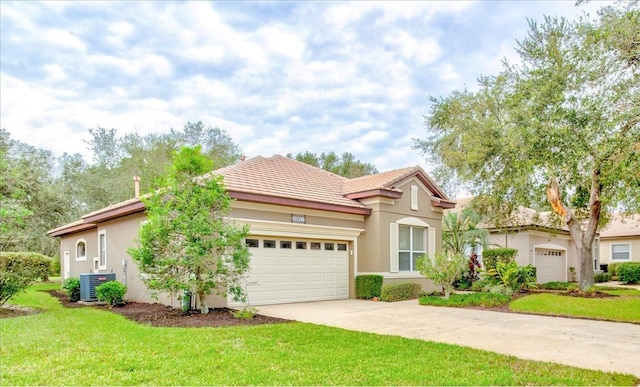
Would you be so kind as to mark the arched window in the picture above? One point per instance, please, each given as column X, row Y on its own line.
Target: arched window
column 81, row 250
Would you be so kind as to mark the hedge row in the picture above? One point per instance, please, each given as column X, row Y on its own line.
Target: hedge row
column 19, row 270
column 368, row 286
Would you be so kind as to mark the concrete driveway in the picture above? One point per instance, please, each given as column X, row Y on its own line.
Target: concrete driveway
column 598, row 345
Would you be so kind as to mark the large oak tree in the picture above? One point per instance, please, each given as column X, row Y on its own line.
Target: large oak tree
column 558, row 130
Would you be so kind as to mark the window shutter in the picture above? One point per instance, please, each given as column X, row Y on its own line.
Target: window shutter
column 414, row 197
column 393, row 247
column 432, row 241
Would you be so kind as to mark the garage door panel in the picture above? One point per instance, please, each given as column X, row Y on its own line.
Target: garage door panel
column 280, row 275
column 550, row 265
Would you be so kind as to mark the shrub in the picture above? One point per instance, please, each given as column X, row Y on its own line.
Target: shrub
column 111, row 292
column 401, row 292
column 491, row 257
column 555, row 285
column 613, row 268
column 72, row 287
column 245, row 313
column 511, row 275
column 443, row 269
column 629, row 272
column 19, row 270
column 368, row 286
column 472, row 299
column 602, row 277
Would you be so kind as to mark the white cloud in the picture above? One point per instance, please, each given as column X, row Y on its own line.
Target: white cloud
column 64, row 39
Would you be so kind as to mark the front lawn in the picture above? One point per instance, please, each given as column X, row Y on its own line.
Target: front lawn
column 625, row 307
column 87, row 346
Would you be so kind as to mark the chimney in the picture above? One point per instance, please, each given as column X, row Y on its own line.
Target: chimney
column 243, row 157
column 136, row 185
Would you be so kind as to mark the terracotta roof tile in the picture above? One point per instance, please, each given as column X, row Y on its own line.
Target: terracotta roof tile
column 280, row 176
column 111, row 207
column 622, row 226
column 384, row 180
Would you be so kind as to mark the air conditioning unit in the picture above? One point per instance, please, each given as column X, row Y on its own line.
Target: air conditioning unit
column 89, row 283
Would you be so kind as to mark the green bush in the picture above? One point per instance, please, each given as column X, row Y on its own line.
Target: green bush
column 401, row 292
column 72, row 286
column 19, row 270
column 613, row 268
column 602, row 277
column 111, row 292
column 491, row 257
column 368, row 286
column 629, row 272
column 555, row 285
column 511, row 275
column 471, row 299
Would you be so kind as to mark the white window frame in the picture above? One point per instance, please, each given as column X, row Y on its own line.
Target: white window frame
column 394, row 251
column 411, row 251
column 85, row 250
column 628, row 252
column 102, row 250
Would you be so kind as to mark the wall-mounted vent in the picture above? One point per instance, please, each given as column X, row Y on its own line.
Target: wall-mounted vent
column 89, row 283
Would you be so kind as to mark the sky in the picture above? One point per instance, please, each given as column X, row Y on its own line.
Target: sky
column 279, row 77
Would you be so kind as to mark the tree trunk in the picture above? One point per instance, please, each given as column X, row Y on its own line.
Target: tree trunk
column 586, row 267
column 582, row 239
column 447, row 292
column 202, row 299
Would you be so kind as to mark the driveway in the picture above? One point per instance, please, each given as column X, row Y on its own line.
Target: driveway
column 598, row 345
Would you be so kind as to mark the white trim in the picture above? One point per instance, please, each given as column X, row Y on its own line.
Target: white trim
column 411, row 221
column 100, row 249
column 551, row 246
column 431, row 249
column 85, row 250
column 619, row 260
column 66, row 264
column 414, row 197
column 394, row 259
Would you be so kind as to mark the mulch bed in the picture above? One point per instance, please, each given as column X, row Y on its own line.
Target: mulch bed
column 164, row 316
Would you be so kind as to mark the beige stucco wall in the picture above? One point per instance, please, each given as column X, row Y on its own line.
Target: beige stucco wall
column 527, row 240
column 374, row 244
column 605, row 248
column 68, row 244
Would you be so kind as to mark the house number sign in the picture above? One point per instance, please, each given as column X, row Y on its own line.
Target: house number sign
column 298, row 218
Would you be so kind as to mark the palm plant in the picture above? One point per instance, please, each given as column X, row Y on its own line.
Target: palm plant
column 461, row 232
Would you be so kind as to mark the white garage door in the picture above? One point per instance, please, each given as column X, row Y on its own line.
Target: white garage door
column 550, row 265
column 296, row 270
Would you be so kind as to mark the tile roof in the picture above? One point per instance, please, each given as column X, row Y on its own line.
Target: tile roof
column 292, row 181
column 280, row 176
column 622, row 226
column 384, row 180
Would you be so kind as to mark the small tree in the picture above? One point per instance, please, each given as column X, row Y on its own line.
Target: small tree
column 187, row 245
column 443, row 269
column 19, row 270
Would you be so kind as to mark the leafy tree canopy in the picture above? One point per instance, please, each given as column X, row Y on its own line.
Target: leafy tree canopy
column 345, row 165
column 558, row 130
column 186, row 244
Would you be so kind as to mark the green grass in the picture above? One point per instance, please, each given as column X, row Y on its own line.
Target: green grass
column 466, row 299
column 86, row 346
column 624, row 308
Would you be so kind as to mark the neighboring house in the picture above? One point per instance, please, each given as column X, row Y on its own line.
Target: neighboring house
column 311, row 231
column 542, row 242
column 620, row 239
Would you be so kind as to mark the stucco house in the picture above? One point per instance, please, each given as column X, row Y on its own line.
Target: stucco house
column 620, row 239
column 312, row 232
column 541, row 242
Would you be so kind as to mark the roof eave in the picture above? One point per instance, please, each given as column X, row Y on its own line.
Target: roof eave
column 258, row 198
column 385, row 193
column 116, row 212
column 61, row 231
